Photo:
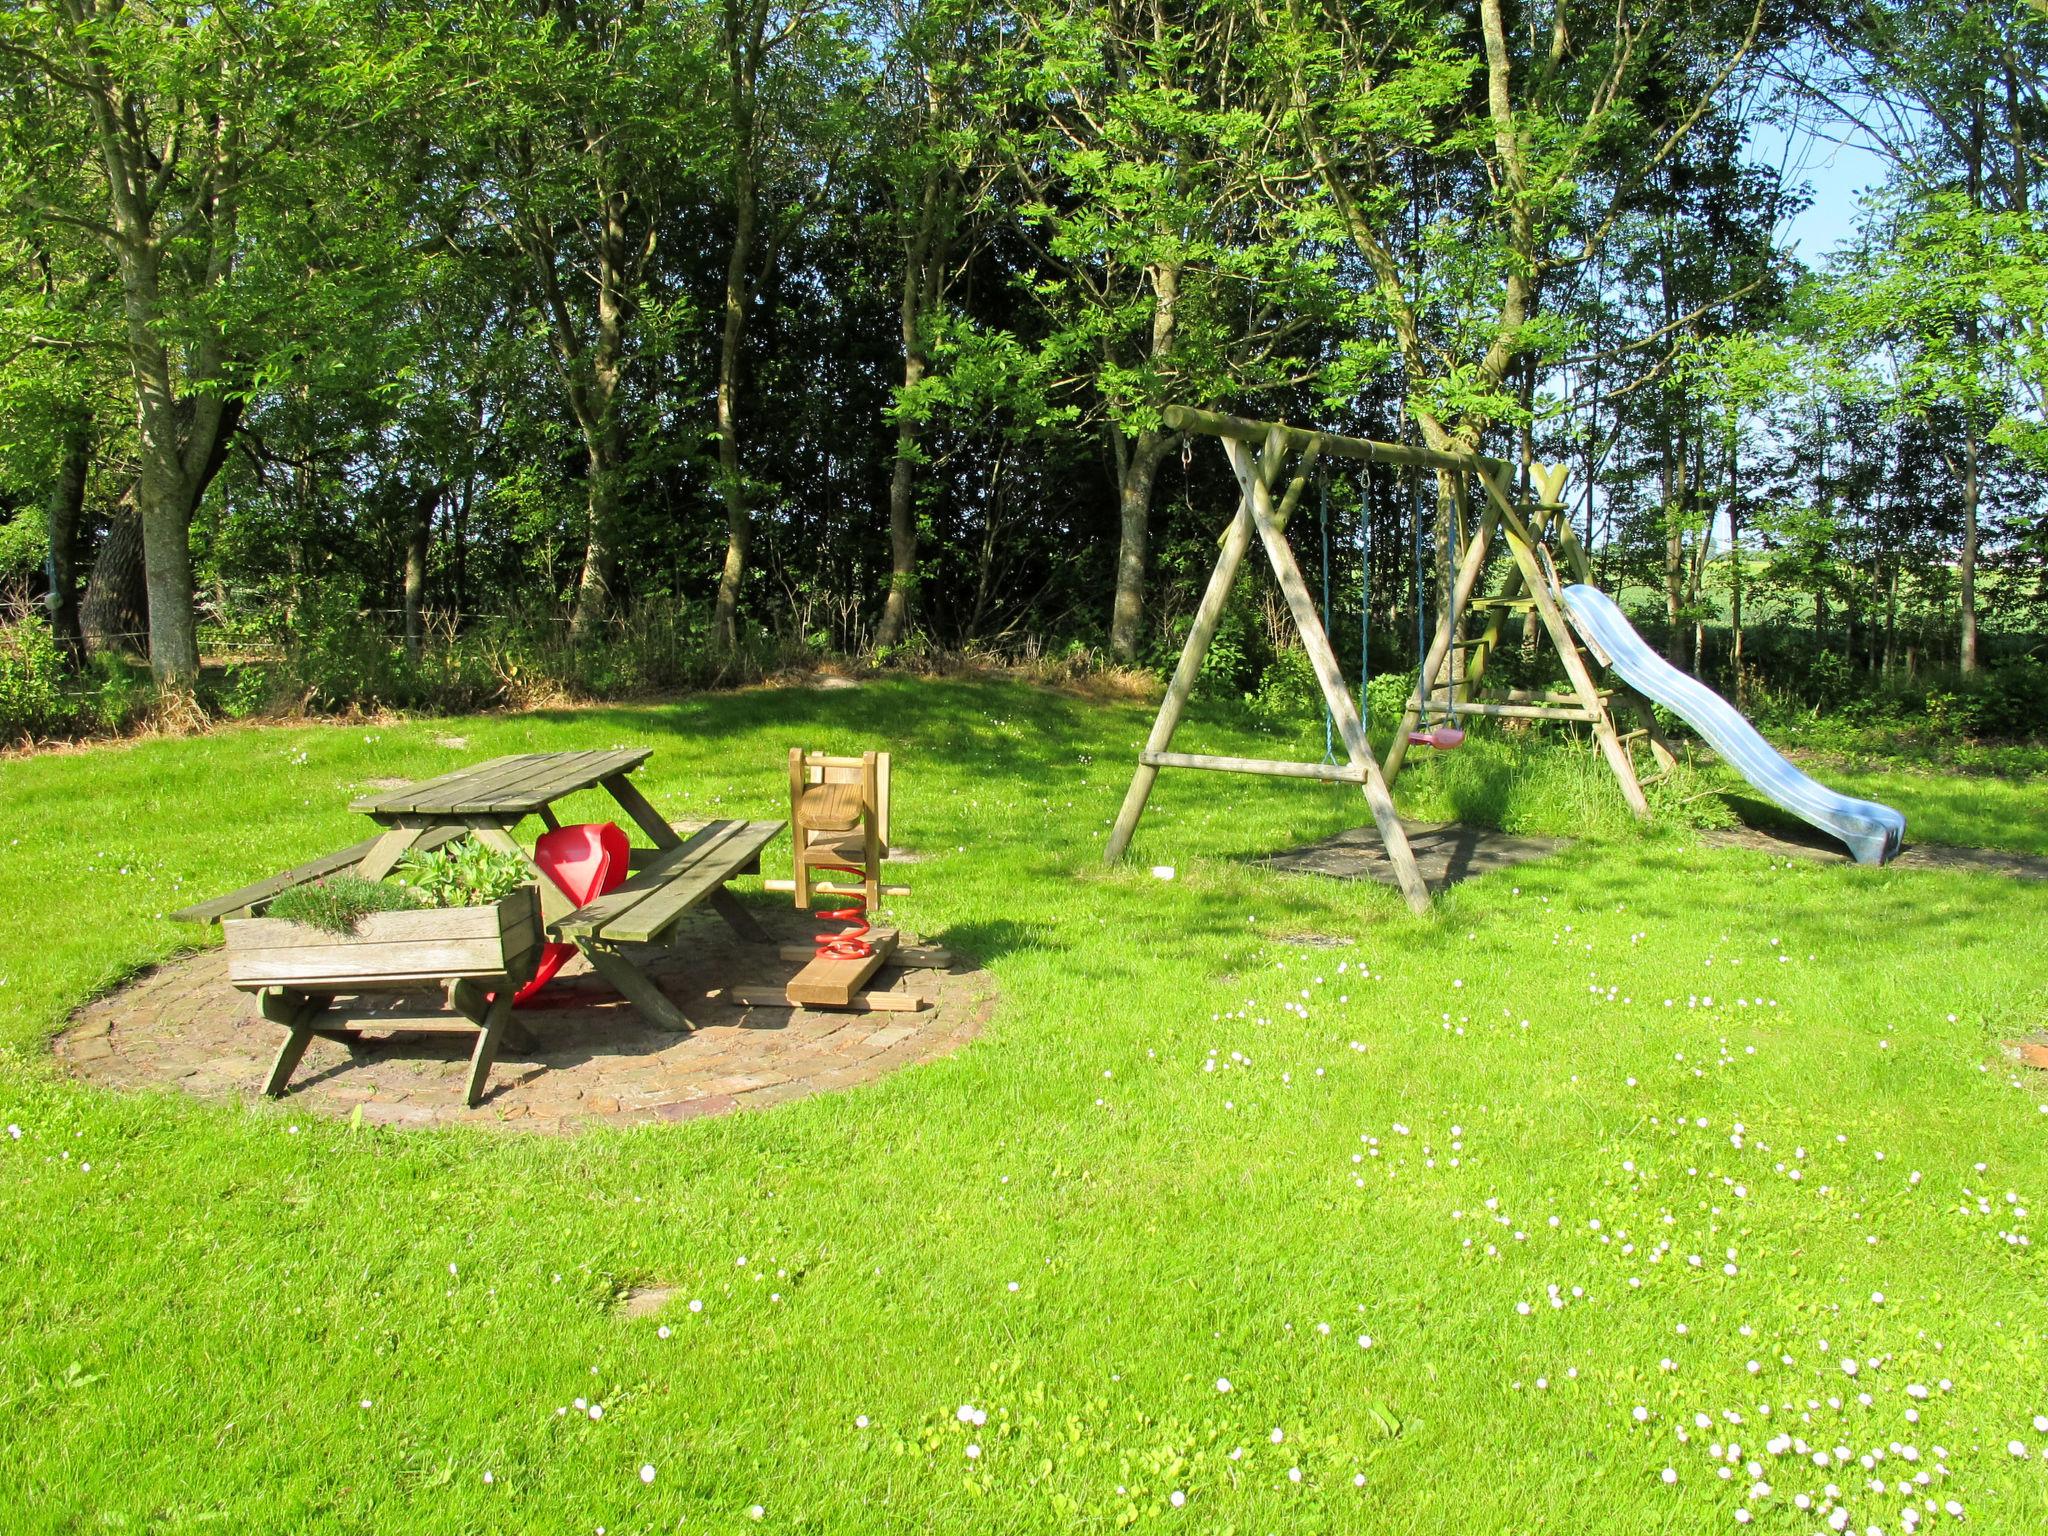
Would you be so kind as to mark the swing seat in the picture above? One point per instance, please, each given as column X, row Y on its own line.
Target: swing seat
column 1443, row 738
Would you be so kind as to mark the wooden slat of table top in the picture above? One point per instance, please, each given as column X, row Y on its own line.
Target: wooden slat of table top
column 648, row 904
column 313, row 869
column 397, row 801
column 538, row 778
column 572, row 772
column 506, row 785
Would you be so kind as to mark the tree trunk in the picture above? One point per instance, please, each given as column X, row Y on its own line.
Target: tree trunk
column 1966, row 565
column 1140, row 473
column 63, row 512
column 745, row 23
column 419, row 538
column 1138, row 470
column 114, row 609
column 921, row 265
column 604, row 430
column 1675, row 493
column 1735, row 573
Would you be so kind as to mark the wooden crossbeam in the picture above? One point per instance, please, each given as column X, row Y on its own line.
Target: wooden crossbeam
column 1524, row 711
column 1279, row 768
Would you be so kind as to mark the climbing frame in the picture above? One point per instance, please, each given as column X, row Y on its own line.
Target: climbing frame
column 1530, row 587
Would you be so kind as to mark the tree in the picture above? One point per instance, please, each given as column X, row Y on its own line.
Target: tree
column 592, row 122
column 213, row 135
column 1956, row 98
column 1166, row 269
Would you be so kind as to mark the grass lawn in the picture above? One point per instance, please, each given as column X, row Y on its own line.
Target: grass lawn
column 1630, row 1191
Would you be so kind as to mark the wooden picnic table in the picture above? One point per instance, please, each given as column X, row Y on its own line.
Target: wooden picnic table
column 688, row 866
column 678, row 873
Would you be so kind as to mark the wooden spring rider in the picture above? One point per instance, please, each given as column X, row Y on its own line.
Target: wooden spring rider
column 839, row 824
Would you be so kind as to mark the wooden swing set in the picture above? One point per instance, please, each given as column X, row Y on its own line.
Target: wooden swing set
column 1273, row 464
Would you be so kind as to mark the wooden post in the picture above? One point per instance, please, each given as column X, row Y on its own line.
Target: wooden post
column 1568, row 651
column 1343, row 713
column 1236, row 540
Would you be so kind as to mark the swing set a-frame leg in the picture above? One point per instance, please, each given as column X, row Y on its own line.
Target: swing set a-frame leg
column 1611, row 746
column 1257, row 513
column 1343, row 713
column 1236, row 540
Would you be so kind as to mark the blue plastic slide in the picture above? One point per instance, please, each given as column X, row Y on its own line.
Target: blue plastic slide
column 1872, row 831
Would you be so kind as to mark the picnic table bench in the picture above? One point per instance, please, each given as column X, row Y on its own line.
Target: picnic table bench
column 688, row 866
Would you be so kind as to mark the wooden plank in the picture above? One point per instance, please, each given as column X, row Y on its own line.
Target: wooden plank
column 1281, row 768
column 486, row 1052
column 641, row 811
column 409, row 798
column 489, row 795
column 651, row 918
column 432, row 924
column 667, row 892
column 249, row 896
column 384, row 855
column 333, row 965
column 845, row 848
column 906, row 957
column 1343, row 711
column 566, row 776
column 824, row 889
column 635, row 986
column 424, row 950
column 1237, row 428
column 652, row 876
column 831, row 807
column 1561, row 637
column 736, row 916
column 1526, row 711
column 830, row 981
column 864, row 1002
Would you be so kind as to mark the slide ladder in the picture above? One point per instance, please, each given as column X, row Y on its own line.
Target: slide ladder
column 1871, row 831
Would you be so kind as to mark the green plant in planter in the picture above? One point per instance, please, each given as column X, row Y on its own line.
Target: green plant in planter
column 339, row 903
column 463, row 874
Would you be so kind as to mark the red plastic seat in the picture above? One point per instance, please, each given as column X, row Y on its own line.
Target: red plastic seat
column 585, row 861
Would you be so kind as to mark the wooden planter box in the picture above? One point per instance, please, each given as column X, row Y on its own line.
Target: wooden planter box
column 478, row 954
column 389, row 949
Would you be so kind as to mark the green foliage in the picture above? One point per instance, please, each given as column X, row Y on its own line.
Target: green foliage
column 1288, row 698
column 465, row 873
column 339, row 903
column 1386, row 696
column 24, row 543
column 33, row 700
column 1828, row 681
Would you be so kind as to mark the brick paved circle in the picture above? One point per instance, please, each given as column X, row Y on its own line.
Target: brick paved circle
column 592, row 1062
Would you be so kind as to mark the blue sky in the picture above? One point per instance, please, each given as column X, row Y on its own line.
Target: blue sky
column 1837, row 174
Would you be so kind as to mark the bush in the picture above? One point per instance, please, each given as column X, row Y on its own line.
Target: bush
column 33, row 700
column 1386, row 696
column 1288, row 697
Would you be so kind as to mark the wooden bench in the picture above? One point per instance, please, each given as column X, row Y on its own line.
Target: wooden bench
column 668, row 884
column 250, row 898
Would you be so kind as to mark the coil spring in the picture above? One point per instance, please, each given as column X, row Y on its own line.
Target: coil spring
column 849, row 943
